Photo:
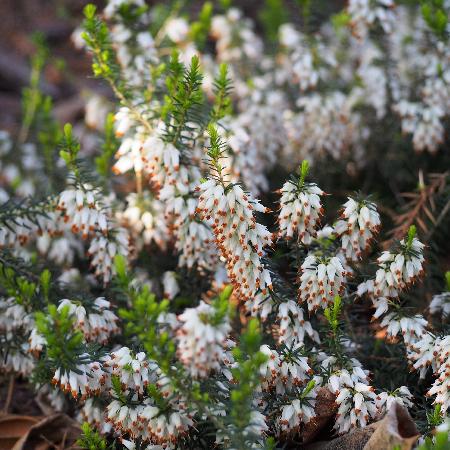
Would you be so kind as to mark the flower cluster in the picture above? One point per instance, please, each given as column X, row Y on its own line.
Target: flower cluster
column 434, row 351
column 239, row 237
column 397, row 271
column 96, row 325
column 360, row 221
column 300, row 210
column 321, row 280
column 355, row 397
column 205, row 340
column 87, row 379
column 284, row 371
column 201, row 339
column 82, row 211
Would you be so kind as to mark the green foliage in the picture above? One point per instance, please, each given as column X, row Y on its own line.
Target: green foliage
column 200, row 28
column 439, row 442
column 272, row 15
column 332, row 314
column 105, row 65
column 447, row 280
column 65, row 347
column 246, row 376
column 141, row 319
column 45, row 279
column 217, row 148
column 435, row 418
column 91, row 439
column 436, row 17
column 49, row 134
column 63, row 342
column 305, row 7
column 183, row 104
column 20, row 288
column 70, row 148
column 340, row 20
column 108, row 148
column 304, row 169
column 32, row 96
column 222, row 91
column 222, row 306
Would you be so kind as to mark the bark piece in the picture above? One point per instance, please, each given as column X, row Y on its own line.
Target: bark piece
column 57, row 430
column 325, row 409
column 395, row 429
column 13, row 427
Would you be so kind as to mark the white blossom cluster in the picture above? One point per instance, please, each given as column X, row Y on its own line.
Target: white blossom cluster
column 186, row 227
column 396, row 272
column 440, row 303
column 360, row 221
column 201, row 340
column 239, row 237
column 15, row 322
column 297, row 412
column 96, row 324
column 364, row 13
column 411, row 328
column 281, row 372
column 355, row 396
column 82, row 211
column 321, row 280
column 292, row 325
column 433, row 351
column 300, row 210
column 88, row 379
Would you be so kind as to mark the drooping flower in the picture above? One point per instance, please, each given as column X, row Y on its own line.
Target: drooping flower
column 201, row 339
column 320, row 281
column 300, row 210
column 360, row 221
column 240, row 239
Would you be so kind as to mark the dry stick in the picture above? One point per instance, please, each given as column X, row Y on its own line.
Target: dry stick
column 440, row 218
column 9, row 394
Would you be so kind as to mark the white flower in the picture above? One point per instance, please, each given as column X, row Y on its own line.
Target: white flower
column 170, row 284
column 303, row 69
column 201, row 339
column 355, row 397
column 88, row 379
column 297, row 411
column 292, row 325
column 95, row 415
column 364, row 13
column 98, row 324
column 103, row 249
column 82, row 210
column 401, row 395
column 435, row 352
column 300, row 210
column 260, row 305
column 360, row 221
column 144, row 217
column 440, row 303
column 397, row 271
column 240, row 239
column 177, row 29
column 412, row 328
column 135, row 371
column 129, row 156
column 283, row 371
column 320, row 281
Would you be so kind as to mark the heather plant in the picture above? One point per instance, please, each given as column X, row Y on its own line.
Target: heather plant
column 193, row 284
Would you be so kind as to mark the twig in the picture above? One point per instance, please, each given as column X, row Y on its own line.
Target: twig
column 440, row 218
column 9, row 395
